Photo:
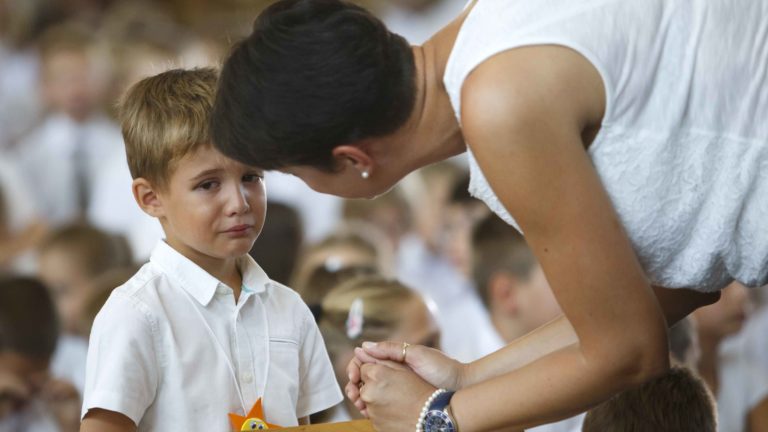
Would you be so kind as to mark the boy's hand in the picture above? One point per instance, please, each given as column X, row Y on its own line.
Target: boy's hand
column 14, row 393
column 63, row 401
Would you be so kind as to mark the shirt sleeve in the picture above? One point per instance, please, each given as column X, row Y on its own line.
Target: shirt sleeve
column 122, row 367
column 318, row 389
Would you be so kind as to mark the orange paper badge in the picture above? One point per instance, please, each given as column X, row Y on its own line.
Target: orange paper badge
column 254, row 421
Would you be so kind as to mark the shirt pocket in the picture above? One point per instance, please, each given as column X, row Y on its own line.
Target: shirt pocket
column 284, row 376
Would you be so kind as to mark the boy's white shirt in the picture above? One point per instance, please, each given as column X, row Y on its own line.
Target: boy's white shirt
column 152, row 358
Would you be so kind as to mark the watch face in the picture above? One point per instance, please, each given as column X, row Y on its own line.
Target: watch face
column 438, row 421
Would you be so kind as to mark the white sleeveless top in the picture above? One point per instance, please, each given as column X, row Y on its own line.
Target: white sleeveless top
column 683, row 147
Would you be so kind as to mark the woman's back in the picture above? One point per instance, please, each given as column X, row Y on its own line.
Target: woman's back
column 683, row 147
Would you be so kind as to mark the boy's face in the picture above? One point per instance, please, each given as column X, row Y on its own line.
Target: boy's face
column 69, row 85
column 212, row 207
column 64, row 274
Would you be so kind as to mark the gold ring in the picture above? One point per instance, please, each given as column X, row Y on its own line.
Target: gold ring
column 405, row 349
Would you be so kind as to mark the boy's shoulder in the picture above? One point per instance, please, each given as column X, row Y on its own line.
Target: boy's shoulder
column 277, row 292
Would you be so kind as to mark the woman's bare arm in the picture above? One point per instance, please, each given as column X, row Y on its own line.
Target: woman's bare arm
column 524, row 113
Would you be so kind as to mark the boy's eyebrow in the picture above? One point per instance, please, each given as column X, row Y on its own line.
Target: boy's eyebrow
column 206, row 173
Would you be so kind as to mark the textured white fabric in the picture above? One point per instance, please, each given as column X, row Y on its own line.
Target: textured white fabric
column 172, row 350
column 683, row 147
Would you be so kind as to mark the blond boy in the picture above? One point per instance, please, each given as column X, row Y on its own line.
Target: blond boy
column 200, row 332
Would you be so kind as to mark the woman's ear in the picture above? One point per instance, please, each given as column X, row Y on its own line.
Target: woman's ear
column 354, row 156
column 147, row 198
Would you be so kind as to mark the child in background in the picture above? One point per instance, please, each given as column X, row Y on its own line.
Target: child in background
column 200, row 339
column 513, row 288
column 75, row 132
column 736, row 376
column 69, row 258
column 509, row 280
column 30, row 400
column 353, row 245
column 371, row 308
column 678, row 401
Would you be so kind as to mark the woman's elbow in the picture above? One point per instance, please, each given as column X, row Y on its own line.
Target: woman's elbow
column 635, row 362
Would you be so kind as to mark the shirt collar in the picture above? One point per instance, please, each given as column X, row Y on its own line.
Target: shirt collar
column 200, row 284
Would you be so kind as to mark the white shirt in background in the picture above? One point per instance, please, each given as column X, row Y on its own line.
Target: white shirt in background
column 114, row 209
column 51, row 156
column 172, row 350
column 418, row 26
column 320, row 213
column 743, row 374
column 466, row 331
column 68, row 362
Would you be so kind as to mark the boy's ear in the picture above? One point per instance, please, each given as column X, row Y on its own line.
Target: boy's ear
column 502, row 289
column 147, row 198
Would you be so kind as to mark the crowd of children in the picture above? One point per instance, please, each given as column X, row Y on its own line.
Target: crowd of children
column 144, row 276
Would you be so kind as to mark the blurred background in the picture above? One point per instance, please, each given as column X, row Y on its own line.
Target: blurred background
column 465, row 281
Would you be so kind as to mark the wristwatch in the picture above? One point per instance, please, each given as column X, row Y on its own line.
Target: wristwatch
column 438, row 417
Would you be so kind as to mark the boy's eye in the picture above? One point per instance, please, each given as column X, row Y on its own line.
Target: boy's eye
column 248, row 178
column 208, row 185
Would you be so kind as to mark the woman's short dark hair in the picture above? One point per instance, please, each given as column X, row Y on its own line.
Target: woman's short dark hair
column 314, row 74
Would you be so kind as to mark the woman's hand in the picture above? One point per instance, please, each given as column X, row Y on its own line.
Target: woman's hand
column 394, row 396
column 429, row 364
column 432, row 365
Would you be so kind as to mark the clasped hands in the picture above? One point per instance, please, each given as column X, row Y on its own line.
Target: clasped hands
column 389, row 381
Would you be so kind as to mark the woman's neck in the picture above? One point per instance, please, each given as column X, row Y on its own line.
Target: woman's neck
column 436, row 128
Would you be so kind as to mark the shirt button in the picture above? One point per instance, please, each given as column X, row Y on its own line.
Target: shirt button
column 247, row 377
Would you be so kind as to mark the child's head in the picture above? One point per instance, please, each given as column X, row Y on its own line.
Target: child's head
column 678, row 401
column 70, row 258
column 509, row 279
column 28, row 329
column 352, row 246
column 371, row 308
column 70, row 78
column 210, row 206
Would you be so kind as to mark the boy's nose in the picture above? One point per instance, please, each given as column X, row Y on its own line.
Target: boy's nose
column 238, row 200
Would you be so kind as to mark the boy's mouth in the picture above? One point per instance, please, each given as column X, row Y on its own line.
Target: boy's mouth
column 237, row 229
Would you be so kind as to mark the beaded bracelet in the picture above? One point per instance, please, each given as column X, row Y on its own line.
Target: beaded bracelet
column 425, row 408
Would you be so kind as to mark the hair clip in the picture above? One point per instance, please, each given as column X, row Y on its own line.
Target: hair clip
column 355, row 319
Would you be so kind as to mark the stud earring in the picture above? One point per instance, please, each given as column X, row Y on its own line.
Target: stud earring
column 365, row 174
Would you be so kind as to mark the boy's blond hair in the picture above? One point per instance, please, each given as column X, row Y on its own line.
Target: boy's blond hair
column 164, row 118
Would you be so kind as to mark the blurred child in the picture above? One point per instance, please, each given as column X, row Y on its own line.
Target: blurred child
column 69, row 258
column 353, row 245
column 371, row 308
column 75, row 133
column 678, row 401
column 509, row 280
column 200, row 339
column 30, row 400
column 21, row 229
column 513, row 288
column 734, row 360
